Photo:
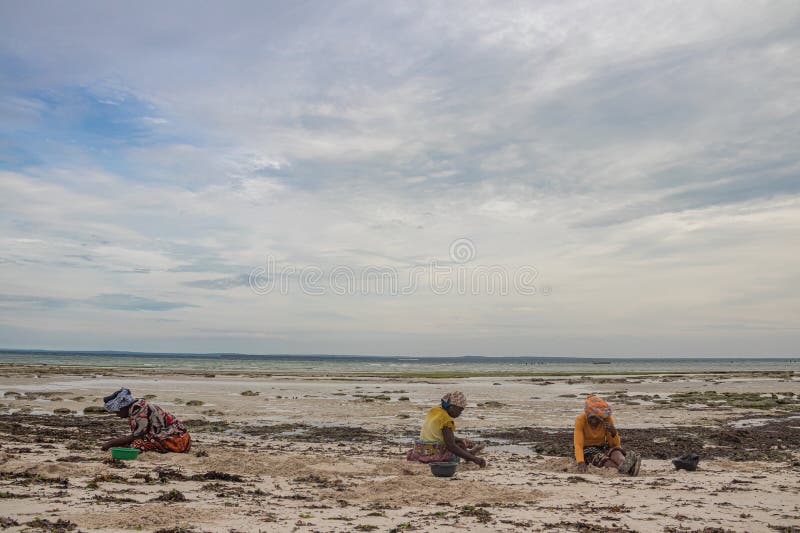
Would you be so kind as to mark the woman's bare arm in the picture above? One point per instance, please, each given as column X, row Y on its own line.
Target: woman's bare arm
column 452, row 445
column 119, row 441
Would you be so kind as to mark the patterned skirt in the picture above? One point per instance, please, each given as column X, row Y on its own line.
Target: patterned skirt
column 176, row 443
column 599, row 455
column 430, row 452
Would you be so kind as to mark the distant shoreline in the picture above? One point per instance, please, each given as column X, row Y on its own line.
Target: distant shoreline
column 119, row 371
column 392, row 358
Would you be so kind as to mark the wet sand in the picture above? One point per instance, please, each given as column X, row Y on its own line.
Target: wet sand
column 326, row 453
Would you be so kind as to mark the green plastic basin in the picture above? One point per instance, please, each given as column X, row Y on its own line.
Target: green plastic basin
column 124, row 453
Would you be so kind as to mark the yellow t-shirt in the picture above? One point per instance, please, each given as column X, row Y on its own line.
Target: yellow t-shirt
column 435, row 422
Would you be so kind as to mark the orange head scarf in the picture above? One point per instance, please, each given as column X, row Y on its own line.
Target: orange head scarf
column 597, row 406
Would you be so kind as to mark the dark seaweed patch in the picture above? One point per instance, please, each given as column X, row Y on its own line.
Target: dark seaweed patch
column 770, row 442
column 217, row 476
column 59, row 526
column 7, row 522
column 171, row 496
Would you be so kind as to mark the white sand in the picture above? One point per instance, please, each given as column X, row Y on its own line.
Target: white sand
column 302, row 486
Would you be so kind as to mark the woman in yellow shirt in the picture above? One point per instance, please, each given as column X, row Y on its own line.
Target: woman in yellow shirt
column 597, row 440
column 437, row 441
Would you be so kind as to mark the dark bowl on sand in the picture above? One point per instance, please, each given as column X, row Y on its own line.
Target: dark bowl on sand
column 443, row 469
column 687, row 462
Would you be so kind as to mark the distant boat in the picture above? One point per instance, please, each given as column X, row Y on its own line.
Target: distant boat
column 601, row 362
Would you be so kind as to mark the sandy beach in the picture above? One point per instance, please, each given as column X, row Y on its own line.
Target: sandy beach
column 326, row 453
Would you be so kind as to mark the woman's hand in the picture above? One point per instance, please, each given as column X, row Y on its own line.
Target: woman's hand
column 582, row 467
column 610, row 428
column 455, row 445
column 119, row 441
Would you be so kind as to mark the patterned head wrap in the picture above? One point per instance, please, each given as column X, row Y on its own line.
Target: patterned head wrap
column 120, row 399
column 454, row 398
column 597, row 406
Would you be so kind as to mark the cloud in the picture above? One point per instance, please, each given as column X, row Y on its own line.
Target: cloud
column 221, row 284
column 10, row 300
column 642, row 157
column 119, row 302
column 129, row 302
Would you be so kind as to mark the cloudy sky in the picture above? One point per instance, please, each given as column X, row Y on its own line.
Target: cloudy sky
column 639, row 162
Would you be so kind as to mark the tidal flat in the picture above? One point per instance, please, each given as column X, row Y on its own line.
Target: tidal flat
column 288, row 452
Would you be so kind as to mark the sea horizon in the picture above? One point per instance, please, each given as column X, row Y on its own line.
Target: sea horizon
column 314, row 356
column 394, row 364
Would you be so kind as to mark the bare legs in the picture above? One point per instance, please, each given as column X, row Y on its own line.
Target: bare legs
column 616, row 459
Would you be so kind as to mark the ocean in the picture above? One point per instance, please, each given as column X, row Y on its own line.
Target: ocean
column 344, row 364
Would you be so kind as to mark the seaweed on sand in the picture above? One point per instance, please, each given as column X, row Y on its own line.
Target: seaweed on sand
column 165, row 475
column 321, row 482
column 115, row 463
column 113, row 499
column 273, row 429
column 109, row 478
column 32, row 428
column 27, row 478
column 586, row 527
column 171, row 496
column 747, row 400
column 75, row 459
column 337, row 434
column 7, row 522
column 763, row 443
column 5, row 495
column 217, row 476
column 479, row 512
column 59, row 526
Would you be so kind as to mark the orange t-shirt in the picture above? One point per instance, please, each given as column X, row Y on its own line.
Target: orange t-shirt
column 586, row 435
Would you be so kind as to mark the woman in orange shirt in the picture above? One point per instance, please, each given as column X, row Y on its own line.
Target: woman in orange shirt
column 597, row 440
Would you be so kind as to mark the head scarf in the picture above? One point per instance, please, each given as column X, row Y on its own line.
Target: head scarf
column 120, row 399
column 454, row 398
column 597, row 406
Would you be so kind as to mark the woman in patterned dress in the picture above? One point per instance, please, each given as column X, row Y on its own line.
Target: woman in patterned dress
column 152, row 428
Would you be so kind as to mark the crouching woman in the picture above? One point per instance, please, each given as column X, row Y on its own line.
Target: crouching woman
column 437, row 441
column 152, row 428
column 597, row 440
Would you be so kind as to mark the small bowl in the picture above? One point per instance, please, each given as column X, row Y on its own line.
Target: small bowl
column 124, row 453
column 687, row 462
column 443, row 469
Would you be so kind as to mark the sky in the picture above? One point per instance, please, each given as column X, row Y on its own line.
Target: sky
column 556, row 178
